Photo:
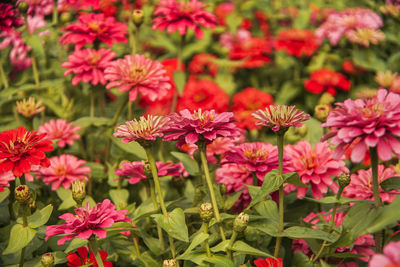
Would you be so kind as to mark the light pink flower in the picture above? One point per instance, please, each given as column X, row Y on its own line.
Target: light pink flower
column 138, row 74
column 367, row 123
column 87, row 222
column 228, row 40
column 89, row 65
column 63, row 170
column 60, row 131
column 315, row 167
column 189, row 128
column 390, row 258
column 93, row 27
column 35, row 23
column 134, row 170
column 39, row 7
column 360, row 186
column 19, row 51
column 180, row 16
column 5, row 178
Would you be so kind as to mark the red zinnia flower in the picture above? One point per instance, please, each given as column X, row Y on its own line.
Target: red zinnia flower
column 253, row 52
column 297, row 42
column 329, row 80
column 20, row 149
column 222, row 11
column 269, row 262
column 8, row 18
column 203, row 64
column 349, row 67
column 82, row 258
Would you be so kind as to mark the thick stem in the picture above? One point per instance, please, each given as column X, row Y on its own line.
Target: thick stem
column 208, row 251
column 25, row 224
column 3, row 76
column 255, row 179
column 94, row 248
column 156, row 207
column 231, row 241
column 202, row 149
column 280, row 138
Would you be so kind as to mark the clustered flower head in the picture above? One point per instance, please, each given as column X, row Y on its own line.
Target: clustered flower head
column 174, row 15
column 389, row 79
column 326, row 80
column 29, row 107
column 365, row 37
column 138, row 74
column 297, row 42
column 60, row 131
column 368, row 123
column 9, row 18
column 269, row 262
column 87, row 222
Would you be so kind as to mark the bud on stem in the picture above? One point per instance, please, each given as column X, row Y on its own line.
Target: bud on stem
column 47, row 260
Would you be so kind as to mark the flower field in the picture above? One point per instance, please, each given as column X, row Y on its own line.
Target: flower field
column 188, row 133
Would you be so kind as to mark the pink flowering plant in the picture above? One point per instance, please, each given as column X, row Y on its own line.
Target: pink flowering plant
column 199, row 133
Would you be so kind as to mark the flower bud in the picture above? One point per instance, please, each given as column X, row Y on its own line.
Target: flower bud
column 32, row 205
column 65, row 17
column 344, row 180
column 170, row 263
column 321, row 112
column 137, row 17
column 222, row 189
column 240, row 223
column 326, row 99
column 29, row 107
column 47, row 260
column 206, row 212
column 301, row 131
column 78, row 191
column 22, row 194
column 147, row 169
column 23, row 6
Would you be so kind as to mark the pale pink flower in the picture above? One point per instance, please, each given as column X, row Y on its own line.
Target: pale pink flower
column 180, row 16
column 365, row 37
column 189, row 128
column 315, row 167
column 360, row 186
column 39, row 7
column 5, row 179
column 228, row 40
column 19, row 52
column 367, row 123
column 63, row 170
column 390, row 258
column 89, row 65
column 138, row 74
column 60, row 131
column 35, row 23
column 87, row 222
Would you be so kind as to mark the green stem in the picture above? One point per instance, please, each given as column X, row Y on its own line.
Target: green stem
column 231, row 241
column 208, row 251
column 136, row 246
column 35, row 72
column 94, row 248
column 25, row 224
column 11, row 199
column 280, row 139
column 3, row 76
column 255, row 179
column 156, row 207
column 91, row 137
column 202, row 149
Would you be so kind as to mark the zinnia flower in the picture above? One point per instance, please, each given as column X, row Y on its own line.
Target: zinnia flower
column 42, row 7
column 89, row 65
column 206, row 125
column 366, row 36
column 93, row 27
column 269, row 262
column 180, row 16
column 63, row 170
column 253, row 52
column 203, row 64
column 297, row 42
column 371, row 123
column 9, row 18
column 351, row 68
column 280, row 116
column 138, row 74
column 19, row 52
column 222, row 10
column 326, row 80
column 29, row 107
column 390, row 258
column 21, row 149
column 315, row 167
column 360, row 186
column 83, row 258
column 87, row 222
column 5, row 179
column 60, row 131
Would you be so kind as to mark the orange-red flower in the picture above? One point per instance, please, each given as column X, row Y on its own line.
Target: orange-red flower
column 326, row 80
column 297, row 42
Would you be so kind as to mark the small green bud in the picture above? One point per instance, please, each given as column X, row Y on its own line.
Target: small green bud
column 344, row 180
column 22, row 194
column 241, row 222
column 78, row 191
column 170, row 263
column 206, row 212
column 23, row 6
column 137, row 17
column 301, row 131
column 222, row 189
column 65, row 17
column 326, row 99
column 147, row 169
column 321, row 112
column 47, row 260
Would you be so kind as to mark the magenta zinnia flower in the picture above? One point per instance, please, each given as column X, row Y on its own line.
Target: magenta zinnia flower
column 93, row 27
column 89, row 65
column 315, row 167
column 390, row 258
column 180, row 16
column 138, row 74
column 360, row 186
column 63, row 170
column 19, row 52
column 367, row 123
column 60, row 131
column 9, row 18
column 189, row 128
column 87, row 222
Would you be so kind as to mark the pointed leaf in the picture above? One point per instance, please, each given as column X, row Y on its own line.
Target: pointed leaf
column 20, row 237
column 242, row 247
column 391, row 183
column 4, row 194
column 220, row 261
column 272, row 182
column 174, row 224
column 197, row 240
column 190, row 164
column 304, row 232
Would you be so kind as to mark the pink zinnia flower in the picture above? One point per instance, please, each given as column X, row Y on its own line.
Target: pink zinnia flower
column 138, row 74
column 19, row 52
column 93, row 27
column 5, row 179
column 315, row 167
column 390, row 258
column 89, row 65
column 87, row 222
column 134, row 170
column 63, row 170
column 368, row 123
column 39, row 7
column 37, row 22
column 360, row 186
column 9, row 18
column 180, row 16
column 188, row 128
column 60, row 131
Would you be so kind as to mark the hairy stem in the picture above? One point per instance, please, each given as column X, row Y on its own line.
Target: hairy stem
column 280, row 138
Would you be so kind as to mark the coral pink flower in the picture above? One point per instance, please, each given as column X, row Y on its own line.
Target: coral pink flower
column 60, row 131
column 19, row 52
column 63, row 170
column 93, row 27
column 83, row 258
column 203, row 64
column 315, row 167
column 189, row 127
column 5, row 178
column 269, row 262
column 371, row 123
column 219, row 146
column 138, row 74
column 9, row 18
column 89, row 65
column 360, row 186
column 180, row 16
column 87, row 222
column 325, row 79
column 297, row 42
column 390, row 258
column 134, row 170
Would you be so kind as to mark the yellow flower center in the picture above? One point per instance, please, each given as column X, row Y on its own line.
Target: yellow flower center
column 256, row 154
column 309, row 162
column 60, row 170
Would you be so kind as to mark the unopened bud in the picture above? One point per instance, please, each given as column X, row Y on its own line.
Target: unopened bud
column 206, row 212
column 65, row 17
column 241, row 222
column 22, row 194
column 147, row 169
column 137, row 17
column 222, row 189
column 78, row 191
column 301, row 131
column 326, row 99
column 32, row 205
column 170, row 263
column 47, row 260
column 23, row 6
column 321, row 112
column 344, row 180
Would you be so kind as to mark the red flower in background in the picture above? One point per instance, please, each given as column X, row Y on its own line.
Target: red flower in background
column 254, row 52
column 82, row 258
column 262, row 20
column 203, row 64
column 9, row 18
column 204, row 94
column 350, row 67
column 297, row 42
column 20, row 149
column 326, row 80
column 269, row 262
column 222, row 11
column 246, row 102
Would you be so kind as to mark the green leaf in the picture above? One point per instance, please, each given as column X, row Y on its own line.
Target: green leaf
column 197, row 240
column 391, row 183
column 119, row 196
column 272, row 182
column 221, row 246
column 332, row 200
column 174, row 224
column 131, row 147
column 324, row 264
column 76, row 243
column 220, row 261
column 35, row 42
column 368, row 60
column 85, row 122
column 40, row 217
column 180, row 80
column 227, row 82
column 20, row 237
column 66, row 196
column 297, row 232
column 190, row 164
column 268, row 209
column 231, row 199
column 293, row 178
column 287, row 92
column 145, row 260
column 242, row 247
column 96, row 170
column 300, row 259
column 4, row 194
column 388, row 215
